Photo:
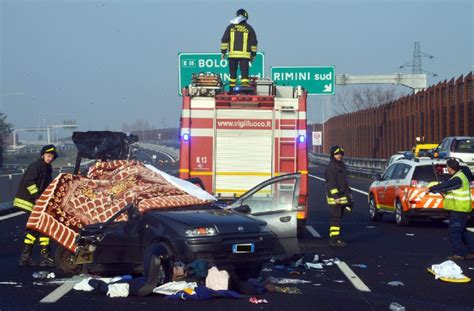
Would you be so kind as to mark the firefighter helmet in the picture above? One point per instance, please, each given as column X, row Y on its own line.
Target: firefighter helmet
column 50, row 149
column 336, row 149
column 242, row 12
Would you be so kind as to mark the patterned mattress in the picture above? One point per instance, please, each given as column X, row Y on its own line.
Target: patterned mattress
column 72, row 201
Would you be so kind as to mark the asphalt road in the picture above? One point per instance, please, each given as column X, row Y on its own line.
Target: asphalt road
column 390, row 253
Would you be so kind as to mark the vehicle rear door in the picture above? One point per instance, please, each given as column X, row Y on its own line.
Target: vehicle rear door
column 275, row 201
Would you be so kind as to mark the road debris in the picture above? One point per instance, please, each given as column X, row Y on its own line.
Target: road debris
column 360, row 265
column 395, row 283
column 257, row 301
column 447, row 270
column 43, row 275
column 288, row 290
column 281, row 281
column 395, row 306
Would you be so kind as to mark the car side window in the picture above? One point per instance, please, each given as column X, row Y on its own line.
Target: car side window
column 401, row 171
column 278, row 196
column 389, row 172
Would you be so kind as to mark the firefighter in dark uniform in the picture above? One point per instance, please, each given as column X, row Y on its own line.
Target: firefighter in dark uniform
column 36, row 179
column 339, row 195
column 240, row 41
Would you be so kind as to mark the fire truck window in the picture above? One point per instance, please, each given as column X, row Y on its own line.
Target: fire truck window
column 275, row 197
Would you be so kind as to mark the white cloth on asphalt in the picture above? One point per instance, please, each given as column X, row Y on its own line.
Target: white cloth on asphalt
column 448, row 269
column 118, row 290
column 84, row 284
column 172, row 288
column 217, row 279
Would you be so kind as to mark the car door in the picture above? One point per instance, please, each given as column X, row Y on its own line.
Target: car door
column 275, row 201
column 381, row 187
column 395, row 182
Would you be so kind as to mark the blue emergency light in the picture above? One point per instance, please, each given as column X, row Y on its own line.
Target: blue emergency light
column 302, row 138
column 186, row 136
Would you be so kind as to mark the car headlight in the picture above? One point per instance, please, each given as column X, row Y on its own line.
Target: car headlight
column 264, row 228
column 201, row 231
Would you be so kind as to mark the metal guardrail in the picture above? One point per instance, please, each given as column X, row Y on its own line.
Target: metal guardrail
column 365, row 167
column 172, row 153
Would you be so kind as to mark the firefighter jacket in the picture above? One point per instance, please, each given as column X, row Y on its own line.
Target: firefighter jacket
column 337, row 184
column 36, row 179
column 240, row 40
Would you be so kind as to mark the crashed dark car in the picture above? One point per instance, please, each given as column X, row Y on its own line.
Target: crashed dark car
column 242, row 234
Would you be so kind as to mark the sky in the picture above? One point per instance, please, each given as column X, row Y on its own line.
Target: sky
column 105, row 63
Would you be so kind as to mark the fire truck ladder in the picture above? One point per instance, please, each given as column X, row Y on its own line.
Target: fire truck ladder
column 288, row 143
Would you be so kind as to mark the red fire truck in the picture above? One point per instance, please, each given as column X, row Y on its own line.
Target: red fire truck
column 234, row 141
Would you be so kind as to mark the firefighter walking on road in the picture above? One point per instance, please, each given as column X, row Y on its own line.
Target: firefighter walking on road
column 240, row 41
column 339, row 195
column 457, row 200
column 36, row 179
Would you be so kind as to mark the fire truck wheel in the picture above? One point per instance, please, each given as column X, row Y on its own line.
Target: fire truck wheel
column 374, row 213
column 401, row 218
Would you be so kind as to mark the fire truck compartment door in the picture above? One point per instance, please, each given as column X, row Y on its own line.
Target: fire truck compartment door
column 244, row 150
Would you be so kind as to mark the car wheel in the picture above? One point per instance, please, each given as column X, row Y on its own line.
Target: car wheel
column 374, row 213
column 64, row 260
column 401, row 218
column 165, row 269
column 248, row 271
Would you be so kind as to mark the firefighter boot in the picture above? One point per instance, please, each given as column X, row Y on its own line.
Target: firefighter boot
column 337, row 242
column 25, row 258
column 46, row 261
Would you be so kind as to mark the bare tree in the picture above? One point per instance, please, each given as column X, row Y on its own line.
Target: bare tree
column 364, row 98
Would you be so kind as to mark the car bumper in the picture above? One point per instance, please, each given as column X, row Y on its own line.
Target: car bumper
column 428, row 212
column 218, row 250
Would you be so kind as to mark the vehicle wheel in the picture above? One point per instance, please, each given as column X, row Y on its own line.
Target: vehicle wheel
column 374, row 213
column 165, row 269
column 401, row 218
column 248, row 271
column 64, row 260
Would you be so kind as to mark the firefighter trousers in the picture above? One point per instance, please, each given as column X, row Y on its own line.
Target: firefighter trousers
column 234, row 63
column 337, row 213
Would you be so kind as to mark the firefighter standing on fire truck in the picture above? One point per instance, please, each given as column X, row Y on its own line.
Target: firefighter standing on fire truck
column 339, row 195
column 240, row 41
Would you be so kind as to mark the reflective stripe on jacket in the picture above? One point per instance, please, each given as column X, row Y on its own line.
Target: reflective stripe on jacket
column 240, row 41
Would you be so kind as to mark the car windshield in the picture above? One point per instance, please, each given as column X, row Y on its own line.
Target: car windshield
column 463, row 145
column 430, row 173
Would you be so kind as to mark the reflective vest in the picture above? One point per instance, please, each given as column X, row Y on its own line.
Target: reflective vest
column 459, row 200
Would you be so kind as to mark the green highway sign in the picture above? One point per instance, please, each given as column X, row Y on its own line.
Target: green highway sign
column 318, row 80
column 190, row 63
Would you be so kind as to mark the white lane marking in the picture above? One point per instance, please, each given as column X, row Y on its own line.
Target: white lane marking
column 11, row 215
column 471, row 229
column 353, row 189
column 313, row 232
column 351, row 276
column 62, row 290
